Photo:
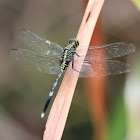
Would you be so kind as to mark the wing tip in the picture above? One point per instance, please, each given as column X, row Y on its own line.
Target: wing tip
column 128, row 67
column 22, row 31
column 13, row 51
column 133, row 48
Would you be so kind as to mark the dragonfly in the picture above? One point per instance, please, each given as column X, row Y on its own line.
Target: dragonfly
column 51, row 58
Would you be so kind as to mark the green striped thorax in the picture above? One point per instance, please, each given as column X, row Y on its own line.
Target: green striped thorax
column 68, row 53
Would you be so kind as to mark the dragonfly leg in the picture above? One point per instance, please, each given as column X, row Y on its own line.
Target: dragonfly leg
column 78, row 54
column 73, row 66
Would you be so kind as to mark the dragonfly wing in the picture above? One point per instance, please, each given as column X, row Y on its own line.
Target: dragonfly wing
column 109, row 51
column 46, row 64
column 103, row 68
column 40, row 45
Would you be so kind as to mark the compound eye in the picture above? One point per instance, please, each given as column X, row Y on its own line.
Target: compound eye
column 77, row 43
column 70, row 41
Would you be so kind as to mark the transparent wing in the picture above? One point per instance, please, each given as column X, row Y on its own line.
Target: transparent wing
column 98, row 53
column 39, row 44
column 47, row 64
column 102, row 68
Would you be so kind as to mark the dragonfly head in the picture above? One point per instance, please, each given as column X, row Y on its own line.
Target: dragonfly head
column 74, row 41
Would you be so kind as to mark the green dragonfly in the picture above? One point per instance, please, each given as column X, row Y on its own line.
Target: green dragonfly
column 51, row 58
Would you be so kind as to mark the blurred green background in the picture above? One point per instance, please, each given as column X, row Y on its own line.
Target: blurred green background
column 23, row 90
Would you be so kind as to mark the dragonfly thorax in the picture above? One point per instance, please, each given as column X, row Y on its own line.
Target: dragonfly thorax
column 68, row 53
column 66, row 57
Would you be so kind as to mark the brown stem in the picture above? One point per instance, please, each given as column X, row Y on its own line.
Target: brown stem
column 59, row 111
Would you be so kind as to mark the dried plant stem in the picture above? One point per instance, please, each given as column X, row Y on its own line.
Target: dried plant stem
column 59, row 111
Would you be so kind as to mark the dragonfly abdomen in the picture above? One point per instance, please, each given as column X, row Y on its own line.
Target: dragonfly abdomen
column 51, row 94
